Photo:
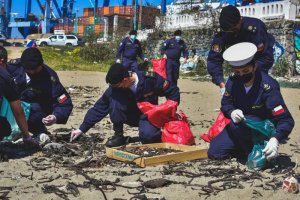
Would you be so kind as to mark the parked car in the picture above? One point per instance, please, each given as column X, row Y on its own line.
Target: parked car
column 58, row 40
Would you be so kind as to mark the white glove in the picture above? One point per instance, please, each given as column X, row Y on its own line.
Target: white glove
column 145, row 59
column 118, row 61
column 49, row 120
column 42, row 139
column 271, row 149
column 164, row 56
column 237, row 116
column 75, row 134
column 222, row 91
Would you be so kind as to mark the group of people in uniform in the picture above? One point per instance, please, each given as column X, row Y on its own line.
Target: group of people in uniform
column 249, row 93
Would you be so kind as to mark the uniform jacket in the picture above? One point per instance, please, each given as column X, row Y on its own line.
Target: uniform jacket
column 150, row 86
column 130, row 49
column 252, row 30
column 174, row 49
column 45, row 90
column 263, row 100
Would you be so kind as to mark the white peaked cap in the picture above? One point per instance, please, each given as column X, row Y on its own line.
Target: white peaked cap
column 240, row 54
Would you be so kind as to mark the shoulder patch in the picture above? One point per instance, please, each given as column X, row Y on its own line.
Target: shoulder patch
column 278, row 110
column 53, row 79
column 166, row 85
column 216, row 48
column 260, row 47
column 62, row 98
column 266, row 86
column 251, row 29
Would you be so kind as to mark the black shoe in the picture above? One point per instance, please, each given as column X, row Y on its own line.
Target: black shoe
column 116, row 140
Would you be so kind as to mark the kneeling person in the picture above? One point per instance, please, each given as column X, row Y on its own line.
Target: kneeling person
column 39, row 85
column 120, row 102
column 254, row 95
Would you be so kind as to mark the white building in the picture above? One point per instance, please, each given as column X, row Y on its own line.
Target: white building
column 275, row 10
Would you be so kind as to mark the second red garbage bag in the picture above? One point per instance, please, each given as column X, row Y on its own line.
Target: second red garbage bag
column 178, row 131
column 158, row 115
column 159, row 66
column 220, row 123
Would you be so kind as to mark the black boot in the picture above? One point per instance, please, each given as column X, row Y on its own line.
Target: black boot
column 116, row 140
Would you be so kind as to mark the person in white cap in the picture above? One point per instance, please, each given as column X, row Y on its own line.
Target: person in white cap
column 249, row 94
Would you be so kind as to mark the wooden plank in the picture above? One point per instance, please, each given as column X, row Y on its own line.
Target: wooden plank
column 188, row 153
column 176, row 157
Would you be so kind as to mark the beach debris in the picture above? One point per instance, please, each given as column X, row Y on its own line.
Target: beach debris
column 290, row 185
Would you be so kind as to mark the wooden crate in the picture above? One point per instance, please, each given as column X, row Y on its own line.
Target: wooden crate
column 188, row 153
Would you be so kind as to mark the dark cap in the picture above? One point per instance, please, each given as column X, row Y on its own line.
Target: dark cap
column 31, row 58
column 116, row 73
column 229, row 17
column 133, row 32
column 177, row 32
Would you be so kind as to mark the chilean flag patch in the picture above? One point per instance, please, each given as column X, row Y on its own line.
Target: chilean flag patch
column 260, row 47
column 62, row 98
column 278, row 110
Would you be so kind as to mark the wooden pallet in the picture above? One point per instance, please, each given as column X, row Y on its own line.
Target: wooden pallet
column 188, row 153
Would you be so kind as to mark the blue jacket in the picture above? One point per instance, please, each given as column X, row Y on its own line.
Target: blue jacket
column 46, row 90
column 252, row 30
column 8, row 88
column 130, row 49
column 174, row 49
column 263, row 100
column 150, row 86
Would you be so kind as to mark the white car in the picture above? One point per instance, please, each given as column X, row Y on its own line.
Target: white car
column 58, row 40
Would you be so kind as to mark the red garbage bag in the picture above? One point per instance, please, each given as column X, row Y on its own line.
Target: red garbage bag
column 178, row 131
column 158, row 115
column 159, row 66
column 220, row 123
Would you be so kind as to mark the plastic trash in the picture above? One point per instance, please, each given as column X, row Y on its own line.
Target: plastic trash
column 8, row 114
column 262, row 131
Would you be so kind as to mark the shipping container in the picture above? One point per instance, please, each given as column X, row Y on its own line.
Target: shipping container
column 99, row 28
column 91, row 20
column 100, row 11
column 105, row 10
column 122, row 10
column 88, row 12
column 116, row 9
column 83, row 20
column 111, row 10
column 80, row 29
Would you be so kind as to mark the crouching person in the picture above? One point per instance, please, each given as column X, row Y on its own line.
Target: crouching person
column 120, row 102
column 254, row 95
column 39, row 85
column 8, row 89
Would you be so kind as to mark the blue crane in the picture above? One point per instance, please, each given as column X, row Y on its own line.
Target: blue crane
column 24, row 25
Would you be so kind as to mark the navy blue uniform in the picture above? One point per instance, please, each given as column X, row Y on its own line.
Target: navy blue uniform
column 252, row 30
column 263, row 101
column 121, row 105
column 46, row 95
column 173, row 49
column 8, row 90
column 128, row 51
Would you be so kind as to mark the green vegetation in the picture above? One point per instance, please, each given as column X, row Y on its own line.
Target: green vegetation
column 281, row 67
column 68, row 58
